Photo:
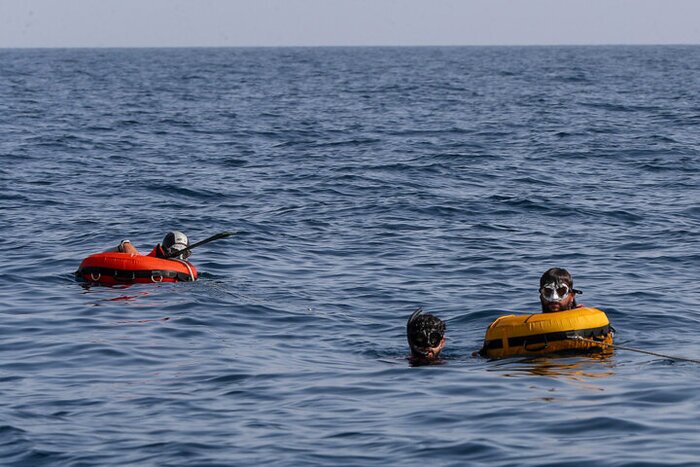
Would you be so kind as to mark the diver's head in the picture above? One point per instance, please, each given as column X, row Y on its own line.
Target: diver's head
column 557, row 291
column 176, row 241
column 426, row 335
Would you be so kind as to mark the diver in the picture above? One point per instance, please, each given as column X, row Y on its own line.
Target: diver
column 172, row 242
column 581, row 330
column 426, row 336
column 557, row 291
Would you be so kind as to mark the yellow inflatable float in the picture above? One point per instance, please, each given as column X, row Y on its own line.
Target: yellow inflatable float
column 578, row 330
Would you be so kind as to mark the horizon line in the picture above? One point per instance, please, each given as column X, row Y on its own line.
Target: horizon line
column 299, row 46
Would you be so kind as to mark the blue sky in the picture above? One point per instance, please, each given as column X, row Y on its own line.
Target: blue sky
column 177, row 23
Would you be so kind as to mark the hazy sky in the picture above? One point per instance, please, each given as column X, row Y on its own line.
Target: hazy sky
column 148, row 23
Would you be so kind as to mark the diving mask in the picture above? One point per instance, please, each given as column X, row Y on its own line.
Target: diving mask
column 552, row 292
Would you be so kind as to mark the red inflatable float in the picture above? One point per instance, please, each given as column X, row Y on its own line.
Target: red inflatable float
column 125, row 268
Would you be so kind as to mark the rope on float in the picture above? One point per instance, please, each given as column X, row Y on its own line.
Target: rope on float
column 615, row 346
column 187, row 265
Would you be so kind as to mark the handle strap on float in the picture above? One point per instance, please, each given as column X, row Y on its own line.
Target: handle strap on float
column 615, row 346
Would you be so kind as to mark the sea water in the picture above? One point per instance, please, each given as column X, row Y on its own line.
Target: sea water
column 361, row 183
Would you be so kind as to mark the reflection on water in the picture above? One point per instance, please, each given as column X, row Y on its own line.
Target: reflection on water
column 599, row 365
column 126, row 298
column 415, row 362
column 143, row 321
column 88, row 286
column 118, row 293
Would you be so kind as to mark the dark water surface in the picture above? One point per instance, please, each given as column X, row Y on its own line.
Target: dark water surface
column 362, row 182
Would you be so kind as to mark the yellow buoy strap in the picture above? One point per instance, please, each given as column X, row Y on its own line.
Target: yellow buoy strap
column 598, row 333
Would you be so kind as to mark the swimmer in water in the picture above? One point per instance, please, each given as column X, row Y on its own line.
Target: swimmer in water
column 174, row 241
column 557, row 291
column 426, row 336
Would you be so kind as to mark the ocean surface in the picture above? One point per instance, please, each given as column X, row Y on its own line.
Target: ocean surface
column 361, row 183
